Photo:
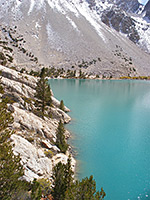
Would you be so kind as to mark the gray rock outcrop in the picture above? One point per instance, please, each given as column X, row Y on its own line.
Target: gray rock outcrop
column 35, row 163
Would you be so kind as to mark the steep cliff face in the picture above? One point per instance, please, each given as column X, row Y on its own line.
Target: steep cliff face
column 121, row 22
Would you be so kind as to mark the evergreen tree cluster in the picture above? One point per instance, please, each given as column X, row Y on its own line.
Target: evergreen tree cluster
column 84, row 190
column 62, row 179
column 10, row 170
column 66, row 188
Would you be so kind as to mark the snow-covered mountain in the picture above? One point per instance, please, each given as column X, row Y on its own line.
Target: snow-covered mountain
column 66, row 33
column 127, row 17
column 128, row 5
column 147, row 11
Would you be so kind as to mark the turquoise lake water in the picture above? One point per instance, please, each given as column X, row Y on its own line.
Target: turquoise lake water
column 111, row 133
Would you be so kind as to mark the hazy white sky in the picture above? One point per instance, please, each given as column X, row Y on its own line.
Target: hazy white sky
column 143, row 1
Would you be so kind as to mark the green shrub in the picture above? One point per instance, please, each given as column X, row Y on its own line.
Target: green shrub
column 30, row 139
column 48, row 153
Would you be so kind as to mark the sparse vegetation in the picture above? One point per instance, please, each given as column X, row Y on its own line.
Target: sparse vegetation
column 3, row 59
column 49, row 153
column 136, row 77
column 30, row 139
column 1, row 87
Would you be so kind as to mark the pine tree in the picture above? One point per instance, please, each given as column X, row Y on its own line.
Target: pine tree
column 65, row 188
column 5, row 116
column 60, row 138
column 61, row 106
column 10, row 168
column 43, row 92
column 62, row 179
column 84, row 190
column 1, row 88
column 59, row 186
column 36, row 191
column 68, row 173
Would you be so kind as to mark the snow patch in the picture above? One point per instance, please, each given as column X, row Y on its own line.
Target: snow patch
column 53, row 38
column 63, row 6
column 18, row 3
column 91, row 17
column 32, row 3
column 37, row 25
column 70, row 6
column 72, row 23
column 143, row 29
column 140, row 10
column 49, row 31
column 41, row 3
column 54, row 4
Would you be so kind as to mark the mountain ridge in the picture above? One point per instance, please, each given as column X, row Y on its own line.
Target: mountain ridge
column 65, row 32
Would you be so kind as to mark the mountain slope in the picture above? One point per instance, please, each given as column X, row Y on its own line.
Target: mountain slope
column 64, row 33
column 147, row 10
column 128, row 5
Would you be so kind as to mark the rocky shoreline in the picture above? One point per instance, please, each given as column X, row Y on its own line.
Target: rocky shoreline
column 33, row 137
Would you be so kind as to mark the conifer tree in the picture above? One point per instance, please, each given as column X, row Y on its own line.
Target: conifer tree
column 84, row 190
column 36, row 191
column 59, row 186
column 10, row 168
column 43, row 92
column 62, row 107
column 62, row 179
column 65, row 188
column 68, row 173
column 60, row 138
column 1, row 88
column 5, row 116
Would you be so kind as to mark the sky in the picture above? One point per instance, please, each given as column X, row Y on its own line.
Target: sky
column 143, row 1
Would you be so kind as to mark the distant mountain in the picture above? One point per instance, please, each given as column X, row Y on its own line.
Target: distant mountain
column 128, row 5
column 147, row 10
column 126, row 17
column 67, row 34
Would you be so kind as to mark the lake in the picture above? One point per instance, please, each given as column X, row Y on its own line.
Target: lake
column 111, row 133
